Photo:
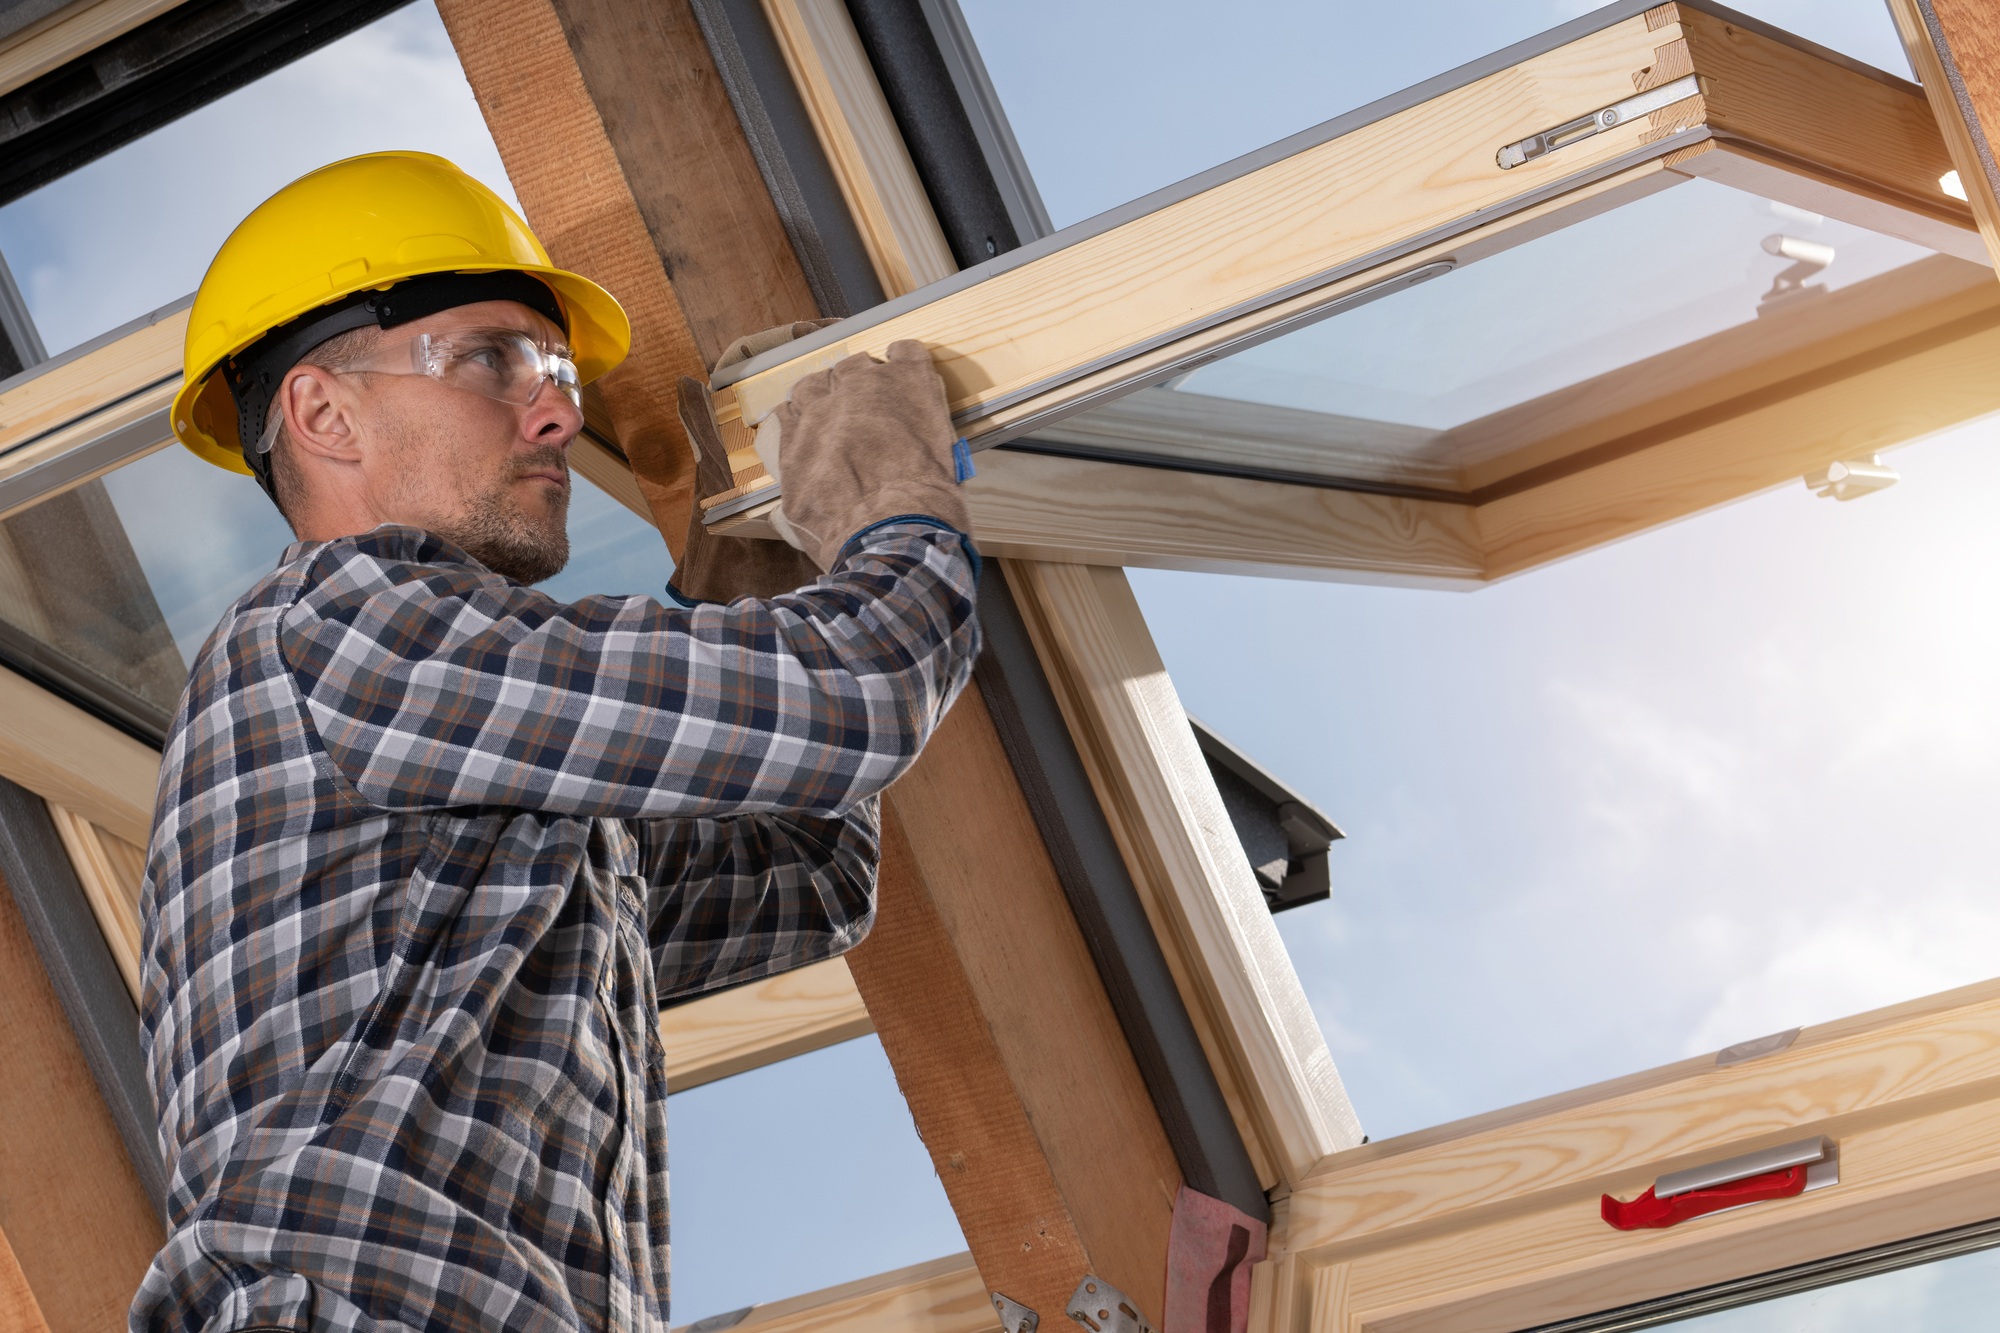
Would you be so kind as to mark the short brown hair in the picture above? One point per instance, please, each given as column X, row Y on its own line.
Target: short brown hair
column 338, row 353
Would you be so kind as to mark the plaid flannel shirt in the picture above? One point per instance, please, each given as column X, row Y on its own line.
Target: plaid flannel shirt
column 429, row 849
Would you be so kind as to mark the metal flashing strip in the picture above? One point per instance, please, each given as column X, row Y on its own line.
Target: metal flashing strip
column 1004, row 158
column 86, row 979
column 1415, row 95
column 788, row 155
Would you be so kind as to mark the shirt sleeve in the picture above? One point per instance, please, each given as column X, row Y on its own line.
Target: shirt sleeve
column 433, row 684
column 732, row 900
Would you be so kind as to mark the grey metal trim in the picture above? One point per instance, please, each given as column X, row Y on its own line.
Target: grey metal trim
column 1268, row 785
column 1415, row 95
column 1802, row 1153
column 86, row 979
column 989, row 119
column 22, row 341
column 788, row 154
column 1094, row 877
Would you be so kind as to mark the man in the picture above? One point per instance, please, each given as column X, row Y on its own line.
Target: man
column 431, row 847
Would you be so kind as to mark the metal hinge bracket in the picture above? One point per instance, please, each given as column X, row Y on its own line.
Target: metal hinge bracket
column 1597, row 122
column 1014, row 1316
column 1102, row 1308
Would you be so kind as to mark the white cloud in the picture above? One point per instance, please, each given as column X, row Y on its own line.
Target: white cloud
column 1853, row 957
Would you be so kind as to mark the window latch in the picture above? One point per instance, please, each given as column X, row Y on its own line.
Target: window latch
column 1774, row 1173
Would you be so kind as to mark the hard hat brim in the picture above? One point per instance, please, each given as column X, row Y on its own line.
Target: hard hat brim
column 600, row 336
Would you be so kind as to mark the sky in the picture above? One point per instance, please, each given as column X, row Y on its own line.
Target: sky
column 1710, row 782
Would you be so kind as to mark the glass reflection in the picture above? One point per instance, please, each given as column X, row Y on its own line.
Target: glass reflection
column 1649, row 300
column 135, row 229
column 108, row 591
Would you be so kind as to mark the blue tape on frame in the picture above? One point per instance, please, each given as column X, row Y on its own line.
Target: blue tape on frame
column 961, row 461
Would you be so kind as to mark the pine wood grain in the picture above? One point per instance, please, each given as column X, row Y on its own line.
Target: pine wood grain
column 942, row 1296
column 68, row 33
column 1200, row 895
column 1492, row 1225
column 109, row 869
column 78, row 1220
column 1079, row 511
column 73, row 390
column 1399, row 177
column 1880, row 136
column 1954, row 45
column 19, row 1312
column 1873, row 401
column 69, row 758
column 571, row 183
column 863, row 145
column 762, row 1023
column 117, row 413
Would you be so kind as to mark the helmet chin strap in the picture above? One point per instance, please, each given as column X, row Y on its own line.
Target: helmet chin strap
column 254, row 374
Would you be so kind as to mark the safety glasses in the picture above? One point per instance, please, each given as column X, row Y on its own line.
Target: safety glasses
column 503, row 364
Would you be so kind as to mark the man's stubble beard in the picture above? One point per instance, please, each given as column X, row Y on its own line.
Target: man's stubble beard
column 495, row 532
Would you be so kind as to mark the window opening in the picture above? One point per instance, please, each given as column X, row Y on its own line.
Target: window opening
column 795, row 1177
column 1946, row 1281
column 1186, row 92
column 1444, row 387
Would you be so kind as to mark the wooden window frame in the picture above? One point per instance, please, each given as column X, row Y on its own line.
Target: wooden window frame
column 1231, row 256
column 1492, row 1225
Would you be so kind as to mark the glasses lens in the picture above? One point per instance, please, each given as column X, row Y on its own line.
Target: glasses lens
column 502, row 364
column 563, row 371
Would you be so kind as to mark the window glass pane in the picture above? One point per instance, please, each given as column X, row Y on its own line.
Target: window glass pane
column 799, row 1176
column 1643, row 303
column 1113, row 100
column 1725, row 777
column 1923, row 1295
column 113, row 587
column 135, row 229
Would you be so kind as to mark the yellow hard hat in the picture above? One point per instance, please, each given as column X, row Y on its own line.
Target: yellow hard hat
column 318, row 256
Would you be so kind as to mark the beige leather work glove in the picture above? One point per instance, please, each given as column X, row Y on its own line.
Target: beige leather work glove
column 722, row 569
column 865, row 441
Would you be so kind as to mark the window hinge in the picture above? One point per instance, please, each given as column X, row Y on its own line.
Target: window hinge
column 1597, row 122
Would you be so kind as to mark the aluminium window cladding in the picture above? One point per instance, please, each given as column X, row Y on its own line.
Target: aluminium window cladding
column 1649, row 234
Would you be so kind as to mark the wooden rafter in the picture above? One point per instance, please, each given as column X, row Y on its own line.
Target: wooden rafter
column 72, row 1210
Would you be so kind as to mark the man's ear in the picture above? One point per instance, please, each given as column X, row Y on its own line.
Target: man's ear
column 320, row 414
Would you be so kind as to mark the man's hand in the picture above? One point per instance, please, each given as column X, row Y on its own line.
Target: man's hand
column 722, row 569
column 863, row 442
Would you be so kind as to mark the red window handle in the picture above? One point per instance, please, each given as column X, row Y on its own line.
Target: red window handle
column 1650, row 1211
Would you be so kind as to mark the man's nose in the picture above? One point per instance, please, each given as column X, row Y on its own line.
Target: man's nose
column 552, row 418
